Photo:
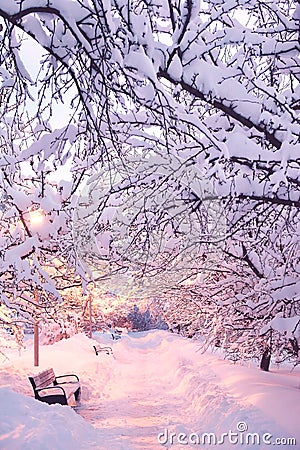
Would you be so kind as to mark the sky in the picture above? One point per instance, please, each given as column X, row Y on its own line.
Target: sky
column 31, row 54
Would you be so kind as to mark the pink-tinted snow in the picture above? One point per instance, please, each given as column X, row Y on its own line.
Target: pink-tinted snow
column 154, row 384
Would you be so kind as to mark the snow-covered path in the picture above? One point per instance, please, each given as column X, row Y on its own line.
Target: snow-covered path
column 139, row 399
column 156, row 383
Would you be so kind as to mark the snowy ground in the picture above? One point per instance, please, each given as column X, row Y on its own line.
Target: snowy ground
column 154, row 384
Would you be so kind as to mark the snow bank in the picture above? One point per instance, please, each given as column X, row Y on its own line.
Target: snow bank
column 30, row 425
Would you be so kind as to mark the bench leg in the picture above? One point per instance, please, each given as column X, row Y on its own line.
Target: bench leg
column 77, row 394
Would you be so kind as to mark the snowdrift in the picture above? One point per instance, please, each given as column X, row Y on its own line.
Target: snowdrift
column 155, row 384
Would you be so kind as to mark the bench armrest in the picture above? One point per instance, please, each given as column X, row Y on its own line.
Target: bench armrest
column 74, row 379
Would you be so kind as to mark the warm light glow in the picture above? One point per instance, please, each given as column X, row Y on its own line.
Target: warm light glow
column 36, row 217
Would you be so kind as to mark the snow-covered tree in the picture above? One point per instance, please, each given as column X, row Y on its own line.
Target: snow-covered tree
column 130, row 87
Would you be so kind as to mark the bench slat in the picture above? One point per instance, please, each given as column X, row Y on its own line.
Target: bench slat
column 45, row 378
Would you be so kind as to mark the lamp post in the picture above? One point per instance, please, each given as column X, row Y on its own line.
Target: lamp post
column 36, row 218
column 90, row 302
column 36, row 334
column 90, row 315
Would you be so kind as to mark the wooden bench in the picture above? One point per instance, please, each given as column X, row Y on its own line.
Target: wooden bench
column 116, row 334
column 55, row 389
column 98, row 349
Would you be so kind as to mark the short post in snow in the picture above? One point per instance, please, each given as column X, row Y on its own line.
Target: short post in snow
column 266, row 357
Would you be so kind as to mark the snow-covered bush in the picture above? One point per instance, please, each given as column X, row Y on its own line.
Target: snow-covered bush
column 52, row 331
column 144, row 321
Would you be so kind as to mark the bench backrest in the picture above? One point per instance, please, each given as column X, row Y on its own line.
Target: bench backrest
column 42, row 379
